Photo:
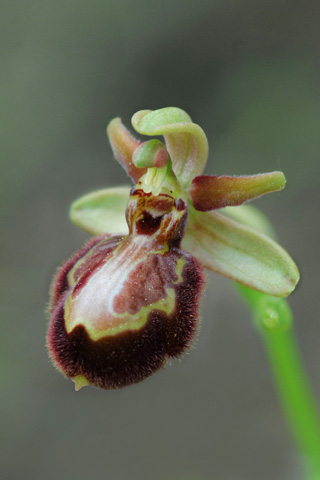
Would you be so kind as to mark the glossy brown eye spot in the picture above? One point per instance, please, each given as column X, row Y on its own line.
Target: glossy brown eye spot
column 148, row 224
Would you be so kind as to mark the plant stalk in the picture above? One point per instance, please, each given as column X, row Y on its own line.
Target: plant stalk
column 273, row 319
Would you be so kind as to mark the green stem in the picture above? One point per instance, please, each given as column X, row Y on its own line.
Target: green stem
column 273, row 319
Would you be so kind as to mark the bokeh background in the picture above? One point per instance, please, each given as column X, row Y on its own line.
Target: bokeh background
column 246, row 71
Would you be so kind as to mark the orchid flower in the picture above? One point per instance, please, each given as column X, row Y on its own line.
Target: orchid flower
column 129, row 300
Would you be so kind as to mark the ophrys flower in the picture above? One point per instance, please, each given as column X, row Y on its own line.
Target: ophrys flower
column 130, row 298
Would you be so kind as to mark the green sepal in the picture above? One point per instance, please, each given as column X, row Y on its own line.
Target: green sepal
column 102, row 211
column 251, row 217
column 240, row 253
column 186, row 142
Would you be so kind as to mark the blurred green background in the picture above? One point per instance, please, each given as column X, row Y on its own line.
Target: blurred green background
column 247, row 72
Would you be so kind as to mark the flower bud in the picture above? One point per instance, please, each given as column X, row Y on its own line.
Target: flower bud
column 123, row 305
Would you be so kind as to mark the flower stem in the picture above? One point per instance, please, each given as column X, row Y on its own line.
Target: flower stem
column 273, row 319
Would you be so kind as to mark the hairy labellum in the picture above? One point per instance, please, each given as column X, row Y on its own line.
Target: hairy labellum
column 123, row 305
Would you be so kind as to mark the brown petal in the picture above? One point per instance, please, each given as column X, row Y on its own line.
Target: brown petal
column 123, row 145
column 210, row 192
